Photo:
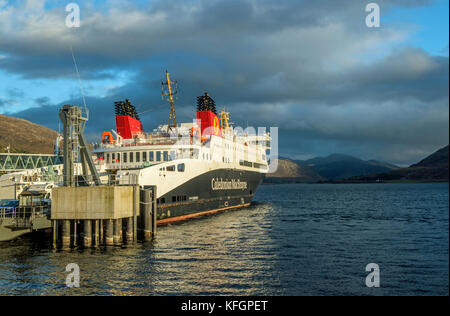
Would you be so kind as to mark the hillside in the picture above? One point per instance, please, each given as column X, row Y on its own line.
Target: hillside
column 339, row 166
column 431, row 168
column 25, row 137
column 290, row 171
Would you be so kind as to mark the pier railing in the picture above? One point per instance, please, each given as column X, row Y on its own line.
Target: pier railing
column 23, row 216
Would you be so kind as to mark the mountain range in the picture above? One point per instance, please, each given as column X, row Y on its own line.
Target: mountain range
column 340, row 166
column 432, row 168
column 23, row 136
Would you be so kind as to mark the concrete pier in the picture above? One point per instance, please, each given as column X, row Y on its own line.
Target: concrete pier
column 103, row 215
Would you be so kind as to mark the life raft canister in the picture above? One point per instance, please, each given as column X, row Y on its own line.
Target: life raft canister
column 107, row 137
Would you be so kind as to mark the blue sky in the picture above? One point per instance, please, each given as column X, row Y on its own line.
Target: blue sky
column 312, row 68
column 430, row 24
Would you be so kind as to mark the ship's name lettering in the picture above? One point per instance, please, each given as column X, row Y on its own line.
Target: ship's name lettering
column 220, row 184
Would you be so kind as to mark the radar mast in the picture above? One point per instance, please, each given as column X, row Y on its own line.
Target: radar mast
column 169, row 90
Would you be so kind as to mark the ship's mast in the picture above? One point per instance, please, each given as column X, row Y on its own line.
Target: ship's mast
column 168, row 92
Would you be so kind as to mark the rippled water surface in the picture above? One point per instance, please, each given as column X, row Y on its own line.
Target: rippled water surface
column 296, row 240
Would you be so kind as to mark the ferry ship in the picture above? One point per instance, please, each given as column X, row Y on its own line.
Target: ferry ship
column 200, row 167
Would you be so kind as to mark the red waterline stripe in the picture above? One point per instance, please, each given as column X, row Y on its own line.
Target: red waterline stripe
column 166, row 221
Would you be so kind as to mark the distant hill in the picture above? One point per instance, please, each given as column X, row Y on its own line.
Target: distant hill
column 339, row 166
column 435, row 160
column 432, row 168
column 290, row 171
column 25, row 137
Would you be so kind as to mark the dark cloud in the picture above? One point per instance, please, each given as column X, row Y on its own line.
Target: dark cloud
column 305, row 66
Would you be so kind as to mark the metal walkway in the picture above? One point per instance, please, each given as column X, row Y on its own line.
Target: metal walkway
column 19, row 162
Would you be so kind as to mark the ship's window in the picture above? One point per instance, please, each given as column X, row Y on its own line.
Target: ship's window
column 184, row 197
column 125, row 156
column 144, row 156
column 172, row 155
column 138, row 157
column 158, row 156
column 131, row 156
column 118, row 157
column 180, row 167
column 107, row 158
column 152, row 156
column 170, row 168
column 163, row 200
column 166, row 156
column 113, row 157
column 174, row 198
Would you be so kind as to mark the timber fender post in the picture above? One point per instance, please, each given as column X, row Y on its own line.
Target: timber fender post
column 87, row 238
column 148, row 212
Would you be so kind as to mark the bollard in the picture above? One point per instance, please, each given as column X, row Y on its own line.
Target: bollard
column 109, row 239
column 87, row 236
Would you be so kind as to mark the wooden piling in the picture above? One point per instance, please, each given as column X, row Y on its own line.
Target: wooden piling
column 74, row 233
column 96, row 233
column 87, row 233
column 109, row 238
column 101, row 233
column 117, row 228
column 154, row 211
column 146, row 204
column 66, row 233
column 55, row 233
column 129, row 230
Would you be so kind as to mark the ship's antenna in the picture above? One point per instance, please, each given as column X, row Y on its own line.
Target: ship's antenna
column 169, row 90
column 79, row 79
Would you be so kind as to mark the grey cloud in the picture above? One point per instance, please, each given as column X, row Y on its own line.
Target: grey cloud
column 295, row 64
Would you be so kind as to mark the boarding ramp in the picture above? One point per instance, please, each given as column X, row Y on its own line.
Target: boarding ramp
column 10, row 162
